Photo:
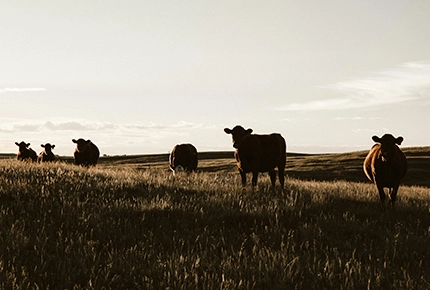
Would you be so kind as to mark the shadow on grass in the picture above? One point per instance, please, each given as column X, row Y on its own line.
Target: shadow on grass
column 170, row 236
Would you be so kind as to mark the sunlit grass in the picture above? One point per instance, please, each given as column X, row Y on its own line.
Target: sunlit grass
column 66, row 227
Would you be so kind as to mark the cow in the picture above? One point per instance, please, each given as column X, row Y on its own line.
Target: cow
column 386, row 165
column 25, row 153
column 86, row 153
column 183, row 158
column 258, row 153
column 46, row 155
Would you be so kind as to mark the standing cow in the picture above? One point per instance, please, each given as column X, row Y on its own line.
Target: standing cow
column 25, row 153
column 258, row 153
column 46, row 155
column 386, row 165
column 86, row 152
column 183, row 157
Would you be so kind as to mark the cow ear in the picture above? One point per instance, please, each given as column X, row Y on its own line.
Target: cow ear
column 399, row 140
column 16, row 143
column 249, row 131
column 228, row 131
column 41, row 145
column 52, row 146
column 74, row 141
column 88, row 141
column 28, row 144
column 376, row 139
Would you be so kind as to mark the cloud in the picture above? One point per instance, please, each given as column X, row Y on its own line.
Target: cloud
column 174, row 126
column 356, row 118
column 408, row 82
column 26, row 127
column 21, row 90
column 49, row 126
column 76, row 126
column 67, row 126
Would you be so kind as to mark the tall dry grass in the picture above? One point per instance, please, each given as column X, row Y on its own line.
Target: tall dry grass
column 65, row 227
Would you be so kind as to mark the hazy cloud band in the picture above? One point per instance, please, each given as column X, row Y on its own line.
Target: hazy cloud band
column 408, row 82
column 21, row 90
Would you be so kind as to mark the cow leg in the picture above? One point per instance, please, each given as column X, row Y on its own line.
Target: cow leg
column 281, row 175
column 243, row 176
column 381, row 193
column 393, row 194
column 254, row 178
column 272, row 175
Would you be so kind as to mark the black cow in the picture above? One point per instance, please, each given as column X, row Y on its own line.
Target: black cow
column 183, row 157
column 386, row 165
column 86, row 152
column 46, row 155
column 25, row 153
column 258, row 153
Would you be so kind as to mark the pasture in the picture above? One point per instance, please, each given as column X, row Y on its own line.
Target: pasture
column 129, row 224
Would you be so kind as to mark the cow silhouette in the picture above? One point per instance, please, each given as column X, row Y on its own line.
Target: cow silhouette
column 386, row 165
column 46, row 155
column 183, row 158
column 86, row 152
column 258, row 153
column 25, row 153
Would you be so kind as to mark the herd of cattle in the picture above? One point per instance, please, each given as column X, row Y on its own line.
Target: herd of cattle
column 86, row 153
column 385, row 164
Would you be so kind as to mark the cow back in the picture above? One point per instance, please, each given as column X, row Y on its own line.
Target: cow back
column 184, row 155
column 261, row 152
column 27, row 154
column 46, row 157
column 388, row 172
column 88, row 156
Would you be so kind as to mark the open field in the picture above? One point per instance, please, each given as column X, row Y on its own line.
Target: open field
column 129, row 224
column 316, row 167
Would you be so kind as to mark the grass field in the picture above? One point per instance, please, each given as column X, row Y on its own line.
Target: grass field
column 129, row 224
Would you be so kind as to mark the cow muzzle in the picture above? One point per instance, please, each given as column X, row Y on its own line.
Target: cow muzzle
column 178, row 169
column 237, row 144
column 385, row 156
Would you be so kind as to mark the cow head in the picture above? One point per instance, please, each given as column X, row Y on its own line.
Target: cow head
column 81, row 144
column 178, row 169
column 48, row 147
column 388, row 144
column 238, row 135
column 22, row 145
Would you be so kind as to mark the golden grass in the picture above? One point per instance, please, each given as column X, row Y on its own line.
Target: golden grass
column 130, row 225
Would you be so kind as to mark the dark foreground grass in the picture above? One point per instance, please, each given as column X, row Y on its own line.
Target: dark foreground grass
column 64, row 227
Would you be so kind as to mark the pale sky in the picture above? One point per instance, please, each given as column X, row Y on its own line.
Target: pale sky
column 138, row 77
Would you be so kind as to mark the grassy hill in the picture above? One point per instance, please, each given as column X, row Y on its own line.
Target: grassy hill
column 317, row 167
column 349, row 166
column 129, row 224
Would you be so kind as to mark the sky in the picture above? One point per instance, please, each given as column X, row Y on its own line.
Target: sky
column 140, row 76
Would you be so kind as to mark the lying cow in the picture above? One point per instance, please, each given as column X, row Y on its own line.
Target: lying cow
column 183, row 158
column 258, row 153
column 386, row 165
column 46, row 155
column 25, row 153
column 86, row 152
